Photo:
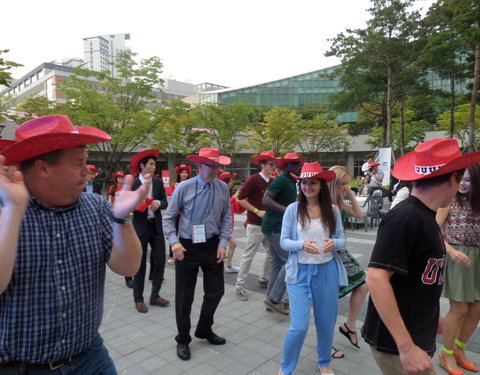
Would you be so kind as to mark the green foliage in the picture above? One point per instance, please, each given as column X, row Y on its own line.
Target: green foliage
column 5, row 66
column 226, row 124
column 279, row 131
column 461, row 129
column 414, row 133
column 378, row 60
column 321, row 135
column 33, row 107
column 175, row 131
column 120, row 106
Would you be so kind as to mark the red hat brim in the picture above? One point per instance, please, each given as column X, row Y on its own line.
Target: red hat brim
column 259, row 158
column 180, row 168
column 324, row 175
column 134, row 171
column 222, row 160
column 404, row 168
column 4, row 143
column 41, row 144
column 281, row 162
column 225, row 176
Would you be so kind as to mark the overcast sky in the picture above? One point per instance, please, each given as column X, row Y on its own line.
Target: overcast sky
column 228, row 42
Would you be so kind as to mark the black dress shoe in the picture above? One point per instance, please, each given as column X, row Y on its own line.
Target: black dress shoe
column 213, row 339
column 183, row 352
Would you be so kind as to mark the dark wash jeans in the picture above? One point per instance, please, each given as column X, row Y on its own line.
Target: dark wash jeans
column 93, row 361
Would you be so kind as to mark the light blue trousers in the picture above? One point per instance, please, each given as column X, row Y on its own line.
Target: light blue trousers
column 317, row 284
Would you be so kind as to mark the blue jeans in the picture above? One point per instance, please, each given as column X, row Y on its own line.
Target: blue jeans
column 93, row 361
column 278, row 257
column 317, row 284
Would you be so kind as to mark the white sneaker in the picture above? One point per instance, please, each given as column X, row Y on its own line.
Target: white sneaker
column 242, row 294
column 232, row 269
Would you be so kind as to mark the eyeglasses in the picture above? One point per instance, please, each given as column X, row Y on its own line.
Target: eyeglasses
column 212, row 166
column 272, row 163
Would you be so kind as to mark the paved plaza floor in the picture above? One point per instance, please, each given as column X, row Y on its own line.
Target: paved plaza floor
column 143, row 344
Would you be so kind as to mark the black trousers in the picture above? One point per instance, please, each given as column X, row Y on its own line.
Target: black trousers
column 157, row 245
column 204, row 256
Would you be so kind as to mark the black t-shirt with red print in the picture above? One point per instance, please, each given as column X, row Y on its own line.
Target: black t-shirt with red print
column 409, row 243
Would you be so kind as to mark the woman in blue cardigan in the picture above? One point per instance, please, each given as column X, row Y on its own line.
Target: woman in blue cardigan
column 312, row 233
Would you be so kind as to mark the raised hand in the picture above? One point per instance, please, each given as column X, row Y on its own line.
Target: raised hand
column 127, row 200
column 13, row 191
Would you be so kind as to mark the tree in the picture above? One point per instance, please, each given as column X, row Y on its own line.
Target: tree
column 443, row 52
column 5, row 66
column 175, row 131
column 414, row 133
column 120, row 106
column 372, row 59
column 33, row 107
column 322, row 134
column 227, row 124
column 461, row 129
column 279, row 131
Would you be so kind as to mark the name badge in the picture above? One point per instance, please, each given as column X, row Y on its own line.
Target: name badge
column 198, row 233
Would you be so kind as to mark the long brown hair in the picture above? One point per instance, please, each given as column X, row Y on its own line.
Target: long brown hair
column 473, row 195
column 114, row 187
column 326, row 209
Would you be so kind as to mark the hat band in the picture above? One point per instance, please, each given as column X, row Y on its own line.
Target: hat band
column 212, row 158
column 425, row 170
column 308, row 174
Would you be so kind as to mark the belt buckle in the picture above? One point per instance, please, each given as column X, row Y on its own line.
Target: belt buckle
column 52, row 366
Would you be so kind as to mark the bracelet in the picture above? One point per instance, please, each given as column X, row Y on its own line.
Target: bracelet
column 123, row 220
column 255, row 211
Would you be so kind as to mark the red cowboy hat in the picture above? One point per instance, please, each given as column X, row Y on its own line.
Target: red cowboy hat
column 225, row 176
column 263, row 156
column 93, row 168
column 118, row 174
column 134, row 171
column 209, row 156
column 4, row 143
column 49, row 133
column 373, row 165
column 433, row 158
column 314, row 170
column 182, row 167
column 290, row 157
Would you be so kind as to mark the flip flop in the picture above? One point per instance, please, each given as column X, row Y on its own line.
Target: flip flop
column 337, row 354
column 348, row 334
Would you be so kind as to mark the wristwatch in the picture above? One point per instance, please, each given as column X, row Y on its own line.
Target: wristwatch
column 123, row 220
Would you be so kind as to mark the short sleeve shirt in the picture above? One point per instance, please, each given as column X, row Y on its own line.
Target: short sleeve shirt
column 285, row 189
column 410, row 244
column 53, row 305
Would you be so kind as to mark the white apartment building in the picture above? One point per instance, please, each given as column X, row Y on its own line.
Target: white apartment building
column 99, row 52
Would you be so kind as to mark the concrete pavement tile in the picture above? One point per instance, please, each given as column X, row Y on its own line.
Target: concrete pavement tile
column 201, row 369
column 153, row 363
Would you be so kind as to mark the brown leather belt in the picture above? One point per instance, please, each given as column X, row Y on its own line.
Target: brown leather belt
column 17, row 365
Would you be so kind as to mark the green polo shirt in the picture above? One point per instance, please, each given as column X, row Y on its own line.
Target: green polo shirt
column 285, row 189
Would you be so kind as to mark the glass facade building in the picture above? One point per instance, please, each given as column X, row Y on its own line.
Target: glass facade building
column 303, row 90
column 297, row 91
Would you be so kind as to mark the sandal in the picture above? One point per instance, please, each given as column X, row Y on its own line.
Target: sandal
column 337, row 354
column 349, row 334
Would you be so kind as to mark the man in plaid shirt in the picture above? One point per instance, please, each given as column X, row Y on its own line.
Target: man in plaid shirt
column 55, row 242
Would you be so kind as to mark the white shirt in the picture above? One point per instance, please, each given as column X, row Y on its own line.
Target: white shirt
column 151, row 214
column 314, row 231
